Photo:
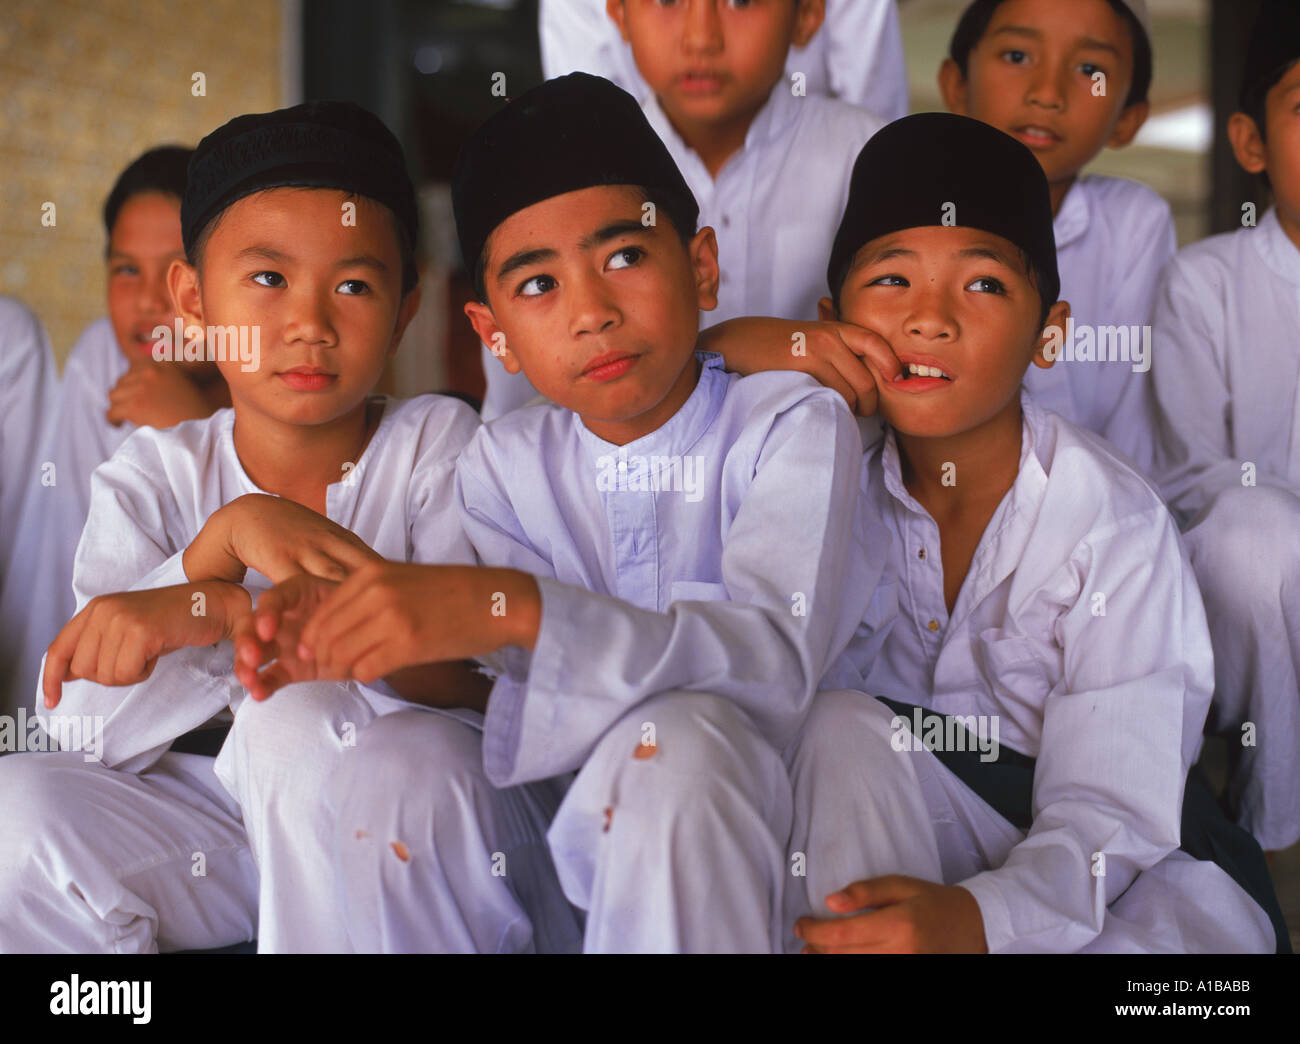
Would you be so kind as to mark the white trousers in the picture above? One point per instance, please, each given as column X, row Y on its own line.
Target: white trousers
column 431, row 857
column 864, row 810
column 93, row 860
column 344, row 810
column 677, row 845
column 1245, row 549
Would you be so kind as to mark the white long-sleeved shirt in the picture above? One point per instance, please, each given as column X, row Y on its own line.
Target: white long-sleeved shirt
column 1081, row 629
column 1226, row 376
column 149, row 501
column 1113, row 239
column 856, row 56
column 775, row 208
column 77, row 439
column 742, row 569
column 28, row 383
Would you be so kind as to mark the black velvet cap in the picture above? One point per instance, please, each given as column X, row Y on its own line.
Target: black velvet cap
column 1274, row 45
column 911, row 169
column 573, row 132
column 320, row 144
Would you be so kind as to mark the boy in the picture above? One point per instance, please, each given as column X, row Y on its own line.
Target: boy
column 767, row 162
column 299, row 227
column 857, row 56
column 28, row 382
column 1044, row 606
column 111, row 385
column 1228, row 442
column 676, row 556
column 1068, row 80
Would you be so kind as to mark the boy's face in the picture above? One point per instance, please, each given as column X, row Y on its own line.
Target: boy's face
column 711, row 61
column 599, row 311
column 325, row 295
column 953, row 298
column 145, row 240
column 1279, row 154
column 1033, row 75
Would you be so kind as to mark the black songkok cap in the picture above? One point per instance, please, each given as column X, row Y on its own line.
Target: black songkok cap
column 909, row 172
column 1274, row 45
column 571, row 133
column 320, row 144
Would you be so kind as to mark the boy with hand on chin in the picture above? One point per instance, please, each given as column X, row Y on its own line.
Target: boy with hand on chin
column 1042, row 591
column 661, row 645
column 309, row 472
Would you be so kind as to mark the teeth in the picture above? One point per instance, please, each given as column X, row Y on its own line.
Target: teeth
column 918, row 370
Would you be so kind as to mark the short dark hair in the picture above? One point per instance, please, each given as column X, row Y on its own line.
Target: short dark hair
column 405, row 246
column 1254, row 96
column 685, row 232
column 974, row 23
column 1037, row 278
column 160, row 170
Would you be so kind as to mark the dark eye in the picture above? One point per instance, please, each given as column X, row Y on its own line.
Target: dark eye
column 1090, row 69
column 625, row 258
column 352, row 287
column 270, row 279
column 987, row 285
column 535, row 287
column 889, row 280
column 124, row 269
column 1015, row 57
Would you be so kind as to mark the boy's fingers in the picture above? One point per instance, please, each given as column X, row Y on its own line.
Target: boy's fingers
column 872, row 347
column 876, row 891
column 58, row 658
column 829, row 375
column 837, row 932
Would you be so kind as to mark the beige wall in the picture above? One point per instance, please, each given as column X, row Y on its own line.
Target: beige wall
column 87, row 85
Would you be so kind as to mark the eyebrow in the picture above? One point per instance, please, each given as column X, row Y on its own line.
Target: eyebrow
column 1087, row 43
column 263, row 252
column 615, row 229
column 987, row 253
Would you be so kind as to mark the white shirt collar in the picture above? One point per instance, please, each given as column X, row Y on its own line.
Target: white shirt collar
column 1074, row 217
column 1276, row 248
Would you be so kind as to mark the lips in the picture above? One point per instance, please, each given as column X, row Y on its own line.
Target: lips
column 921, row 375
column 307, row 378
column 609, row 366
column 701, row 81
column 1035, row 135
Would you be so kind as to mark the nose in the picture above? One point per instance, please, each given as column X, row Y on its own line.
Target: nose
column 1046, row 87
column 702, row 33
column 591, row 309
column 153, row 298
column 307, row 319
column 931, row 318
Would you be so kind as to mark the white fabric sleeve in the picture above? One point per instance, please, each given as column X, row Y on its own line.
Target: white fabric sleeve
column 1120, row 731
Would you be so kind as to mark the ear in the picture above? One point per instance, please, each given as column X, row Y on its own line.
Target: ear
column 703, row 250
column 826, row 311
column 485, row 325
column 1247, row 145
column 405, row 313
column 1053, row 331
column 614, row 8
column 808, row 18
column 1129, row 123
column 952, row 85
column 187, row 296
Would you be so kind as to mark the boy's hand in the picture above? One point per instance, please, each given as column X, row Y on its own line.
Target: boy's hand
column 390, row 615
column 909, row 916
column 272, row 633
column 278, row 537
column 845, row 358
column 117, row 639
column 155, row 394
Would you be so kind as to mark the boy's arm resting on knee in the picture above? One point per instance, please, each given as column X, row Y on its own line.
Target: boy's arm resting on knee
column 455, row 683
column 1119, row 733
column 797, row 573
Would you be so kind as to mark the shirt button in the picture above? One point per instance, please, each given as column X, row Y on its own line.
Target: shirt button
column 921, row 553
column 933, row 625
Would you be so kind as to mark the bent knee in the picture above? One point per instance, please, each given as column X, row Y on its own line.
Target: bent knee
column 1243, row 547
